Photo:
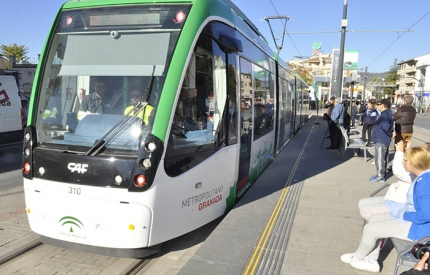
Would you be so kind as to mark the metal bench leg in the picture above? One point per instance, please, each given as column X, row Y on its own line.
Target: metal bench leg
column 365, row 154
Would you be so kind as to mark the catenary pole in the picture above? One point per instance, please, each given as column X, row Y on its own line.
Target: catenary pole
column 365, row 84
column 342, row 50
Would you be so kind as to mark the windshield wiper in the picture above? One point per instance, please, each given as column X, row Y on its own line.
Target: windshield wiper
column 101, row 143
column 149, row 89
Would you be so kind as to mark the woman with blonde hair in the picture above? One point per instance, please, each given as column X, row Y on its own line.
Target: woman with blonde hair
column 409, row 221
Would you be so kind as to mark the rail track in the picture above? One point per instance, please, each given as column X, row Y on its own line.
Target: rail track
column 38, row 257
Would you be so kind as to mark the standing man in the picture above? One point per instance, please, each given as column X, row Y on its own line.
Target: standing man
column 382, row 133
column 336, row 120
column 329, row 105
column 354, row 112
column 404, row 120
column 361, row 110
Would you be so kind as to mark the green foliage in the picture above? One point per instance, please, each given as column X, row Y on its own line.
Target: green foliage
column 391, row 76
column 19, row 51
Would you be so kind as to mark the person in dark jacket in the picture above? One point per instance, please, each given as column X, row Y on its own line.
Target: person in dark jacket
column 354, row 111
column 346, row 119
column 404, row 120
column 369, row 118
column 361, row 110
column 329, row 105
column 336, row 120
column 382, row 133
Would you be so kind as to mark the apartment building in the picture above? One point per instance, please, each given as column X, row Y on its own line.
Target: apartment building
column 318, row 68
column 414, row 79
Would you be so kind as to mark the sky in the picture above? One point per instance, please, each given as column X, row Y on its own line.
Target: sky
column 376, row 28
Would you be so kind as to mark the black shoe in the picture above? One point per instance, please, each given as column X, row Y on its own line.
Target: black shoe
column 369, row 145
column 330, row 148
column 328, row 137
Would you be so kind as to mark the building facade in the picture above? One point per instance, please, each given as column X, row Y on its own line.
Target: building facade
column 414, row 79
column 318, row 68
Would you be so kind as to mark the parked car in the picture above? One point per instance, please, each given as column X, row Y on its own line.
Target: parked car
column 11, row 116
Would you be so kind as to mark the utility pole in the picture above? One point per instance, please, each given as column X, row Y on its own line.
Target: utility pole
column 342, row 49
column 365, row 83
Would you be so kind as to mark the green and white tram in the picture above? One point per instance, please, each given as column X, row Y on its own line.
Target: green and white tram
column 190, row 106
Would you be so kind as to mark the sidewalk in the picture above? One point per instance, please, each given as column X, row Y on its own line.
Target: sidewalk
column 324, row 224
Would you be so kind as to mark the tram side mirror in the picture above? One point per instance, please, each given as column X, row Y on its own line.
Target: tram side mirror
column 72, row 121
column 230, row 44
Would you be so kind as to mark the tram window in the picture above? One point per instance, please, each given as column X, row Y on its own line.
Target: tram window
column 199, row 122
column 263, row 102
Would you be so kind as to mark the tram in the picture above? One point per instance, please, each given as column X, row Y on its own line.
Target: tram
column 191, row 106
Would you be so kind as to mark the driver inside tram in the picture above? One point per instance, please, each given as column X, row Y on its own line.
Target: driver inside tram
column 137, row 95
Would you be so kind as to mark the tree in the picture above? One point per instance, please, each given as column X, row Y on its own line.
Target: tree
column 19, row 51
column 303, row 72
column 391, row 76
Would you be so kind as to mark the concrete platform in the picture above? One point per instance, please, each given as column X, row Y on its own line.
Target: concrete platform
column 315, row 194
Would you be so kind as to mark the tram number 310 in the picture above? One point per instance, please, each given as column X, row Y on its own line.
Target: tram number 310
column 74, row 191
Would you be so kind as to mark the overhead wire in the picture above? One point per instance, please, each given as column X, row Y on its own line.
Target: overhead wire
column 398, row 38
column 353, row 6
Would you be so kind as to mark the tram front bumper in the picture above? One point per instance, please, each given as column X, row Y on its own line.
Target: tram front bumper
column 89, row 221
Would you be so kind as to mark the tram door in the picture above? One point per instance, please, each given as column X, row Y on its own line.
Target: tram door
column 245, row 122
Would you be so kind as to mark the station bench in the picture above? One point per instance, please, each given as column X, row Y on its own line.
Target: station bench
column 405, row 259
column 348, row 142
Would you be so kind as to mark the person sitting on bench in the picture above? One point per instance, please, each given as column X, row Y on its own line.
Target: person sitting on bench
column 410, row 221
column 396, row 193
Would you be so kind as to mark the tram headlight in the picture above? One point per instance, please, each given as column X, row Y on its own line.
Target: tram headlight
column 26, row 152
column 27, row 137
column 150, row 147
column 146, row 163
column 118, row 179
column 140, row 181
column 41, row 171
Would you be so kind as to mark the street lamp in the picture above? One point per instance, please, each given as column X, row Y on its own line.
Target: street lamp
column 420, row 98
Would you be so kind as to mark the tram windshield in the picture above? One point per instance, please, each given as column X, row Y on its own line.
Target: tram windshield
column 101, row 62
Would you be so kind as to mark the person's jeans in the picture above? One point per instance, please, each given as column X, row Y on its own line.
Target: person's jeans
column 381, row 160
column 335, row 135
column 367, row 128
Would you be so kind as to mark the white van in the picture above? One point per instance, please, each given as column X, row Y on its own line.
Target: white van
column 11, row 114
